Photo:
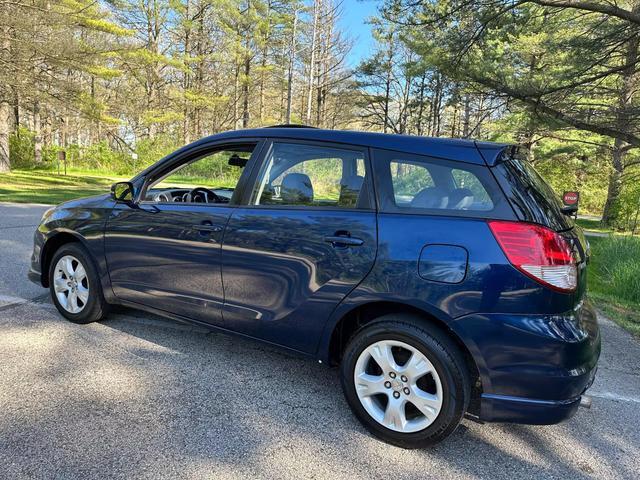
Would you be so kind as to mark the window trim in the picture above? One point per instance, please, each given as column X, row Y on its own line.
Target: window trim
column 181, row 157
column 252, row 180
column 381, row 160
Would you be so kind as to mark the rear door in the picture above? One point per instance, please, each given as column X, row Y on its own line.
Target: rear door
column 304, row 237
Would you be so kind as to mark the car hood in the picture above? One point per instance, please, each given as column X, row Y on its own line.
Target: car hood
column 87, row 202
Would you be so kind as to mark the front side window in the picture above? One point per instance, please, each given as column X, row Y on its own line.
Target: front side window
column 210, row 177
column 310, row 175
column 416, row 182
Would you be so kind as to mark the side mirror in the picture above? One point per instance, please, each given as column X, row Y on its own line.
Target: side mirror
column 122, row 192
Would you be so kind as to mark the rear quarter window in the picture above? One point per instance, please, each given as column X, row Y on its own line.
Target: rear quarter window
column 409, row 183
column 531, row 197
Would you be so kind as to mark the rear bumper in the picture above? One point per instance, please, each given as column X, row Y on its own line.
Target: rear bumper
column 498, row 408
column 503, row 408
column 533, row 369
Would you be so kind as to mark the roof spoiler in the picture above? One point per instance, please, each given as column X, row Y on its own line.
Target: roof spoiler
column 494, row 154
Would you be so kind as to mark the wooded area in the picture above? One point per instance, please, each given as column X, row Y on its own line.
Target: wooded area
column 107, row 79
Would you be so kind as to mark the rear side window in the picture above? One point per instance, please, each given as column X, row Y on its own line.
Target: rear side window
column 419, row 184
column 434, row 185
column 408, row 179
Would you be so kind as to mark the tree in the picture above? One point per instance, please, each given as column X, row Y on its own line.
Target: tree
column 49, row 50
column 572, row 67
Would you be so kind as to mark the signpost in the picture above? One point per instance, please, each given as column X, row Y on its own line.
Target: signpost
column 571, row 199
column 62, row 157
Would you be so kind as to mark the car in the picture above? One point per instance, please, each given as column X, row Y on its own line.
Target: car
column 443, row 277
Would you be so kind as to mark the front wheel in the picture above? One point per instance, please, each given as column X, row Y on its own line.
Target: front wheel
column 75, row 285
column 405, row 380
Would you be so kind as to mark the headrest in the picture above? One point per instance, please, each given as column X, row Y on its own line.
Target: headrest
column 296, row 188
column 460, row 199
column 430, row 197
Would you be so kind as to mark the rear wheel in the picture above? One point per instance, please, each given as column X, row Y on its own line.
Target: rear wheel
column 75, row 286
column 406, row 381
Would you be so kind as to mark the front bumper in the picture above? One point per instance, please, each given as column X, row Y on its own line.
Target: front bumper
column 35, row 276
column 35, row 273
column 533, row 369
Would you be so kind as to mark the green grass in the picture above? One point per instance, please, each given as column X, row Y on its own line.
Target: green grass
column 592, row 225
column 614, row 279
column 596, row 226
column 34, row 186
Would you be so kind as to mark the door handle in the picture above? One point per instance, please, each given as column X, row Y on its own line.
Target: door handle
column 343, row 241
column 205, row 228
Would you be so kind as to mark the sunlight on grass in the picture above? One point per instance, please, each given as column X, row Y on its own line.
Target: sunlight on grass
column 33, row 186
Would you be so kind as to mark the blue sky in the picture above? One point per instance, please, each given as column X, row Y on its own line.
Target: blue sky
column 354, row 16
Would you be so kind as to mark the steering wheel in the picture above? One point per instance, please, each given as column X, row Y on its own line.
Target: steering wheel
column 202, row 192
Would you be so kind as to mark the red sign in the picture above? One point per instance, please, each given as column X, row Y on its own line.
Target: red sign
column 570, row 198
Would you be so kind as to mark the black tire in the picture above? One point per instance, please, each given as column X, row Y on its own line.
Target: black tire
column 439, row 349
column 96, row 308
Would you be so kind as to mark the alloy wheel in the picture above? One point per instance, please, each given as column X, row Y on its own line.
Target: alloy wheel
column 71, row 284
column 398, row 386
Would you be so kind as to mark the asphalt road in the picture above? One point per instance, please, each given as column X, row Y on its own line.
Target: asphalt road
column 140, row 397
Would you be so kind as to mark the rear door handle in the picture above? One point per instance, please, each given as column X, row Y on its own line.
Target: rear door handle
column 340, row 241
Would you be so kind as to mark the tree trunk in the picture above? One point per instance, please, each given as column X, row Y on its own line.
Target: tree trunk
column 387, row 84
column 610, row 212
column 5, row 111
column 236, row 95
column 186, row 78
column 312, row 61
column 292, row 56
column 37, row 133
column 263, row 63
column 16, row 111
column 624, row 120
column 245, row 92
column 467, row 117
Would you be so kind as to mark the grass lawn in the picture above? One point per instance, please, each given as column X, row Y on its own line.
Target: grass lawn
column 592, row 225
column 614, row 279
column 595, row 226
column 34, row 186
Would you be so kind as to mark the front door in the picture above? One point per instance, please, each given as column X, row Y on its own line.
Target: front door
column 164, row 251
column 304, row 240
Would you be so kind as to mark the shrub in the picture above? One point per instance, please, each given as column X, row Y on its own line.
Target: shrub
column 21, row 149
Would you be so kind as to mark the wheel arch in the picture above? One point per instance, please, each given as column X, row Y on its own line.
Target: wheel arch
column 54, row 241
column 359, row 315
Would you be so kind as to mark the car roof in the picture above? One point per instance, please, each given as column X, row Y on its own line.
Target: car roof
column 470, row 151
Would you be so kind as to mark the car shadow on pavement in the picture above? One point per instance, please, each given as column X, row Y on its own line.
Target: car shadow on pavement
column 304, row 400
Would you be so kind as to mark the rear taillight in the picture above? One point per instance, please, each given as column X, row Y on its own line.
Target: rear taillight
column 538, row 252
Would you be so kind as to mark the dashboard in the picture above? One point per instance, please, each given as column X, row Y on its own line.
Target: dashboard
column 186, row 195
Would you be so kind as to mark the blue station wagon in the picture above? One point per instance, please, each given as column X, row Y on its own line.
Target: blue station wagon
column 442, row 276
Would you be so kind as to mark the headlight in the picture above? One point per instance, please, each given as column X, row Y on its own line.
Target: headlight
column 47, row 212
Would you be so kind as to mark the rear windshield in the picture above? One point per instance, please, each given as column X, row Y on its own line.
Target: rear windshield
column 532, row 198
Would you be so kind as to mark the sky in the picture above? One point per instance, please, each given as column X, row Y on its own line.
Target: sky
column 354, row 16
